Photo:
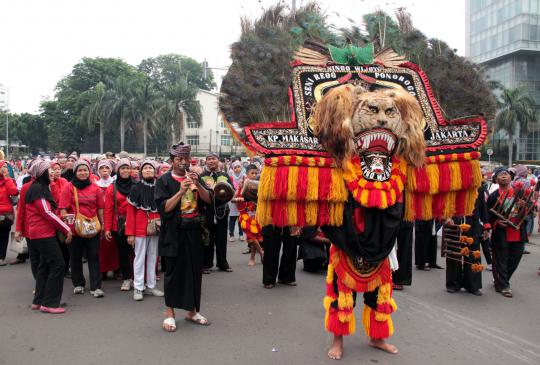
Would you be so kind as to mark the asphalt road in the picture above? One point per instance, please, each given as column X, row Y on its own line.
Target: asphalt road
column 253, row 325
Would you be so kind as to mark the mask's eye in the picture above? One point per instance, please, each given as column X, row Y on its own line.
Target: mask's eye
column 373, row 109
column 390, row 111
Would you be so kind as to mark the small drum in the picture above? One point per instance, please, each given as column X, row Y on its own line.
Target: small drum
column 249, row 190
column 223, row 192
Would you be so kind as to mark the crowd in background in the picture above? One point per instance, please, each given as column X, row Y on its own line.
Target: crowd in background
column 106, row 212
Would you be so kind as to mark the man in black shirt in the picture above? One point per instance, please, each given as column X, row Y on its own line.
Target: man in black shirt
column 217, row 218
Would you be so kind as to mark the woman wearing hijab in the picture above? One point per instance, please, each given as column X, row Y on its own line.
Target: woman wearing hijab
column 42, row 225
column 237, row 176
column 115, row 217
column 7, row 189
column 90, row 201
column 108, row 252
column 142, row 209
column 57, row 185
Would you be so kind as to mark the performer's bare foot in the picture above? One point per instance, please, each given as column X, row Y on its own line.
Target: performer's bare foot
column 251, row 262
column 382, row 345
column 336, row 351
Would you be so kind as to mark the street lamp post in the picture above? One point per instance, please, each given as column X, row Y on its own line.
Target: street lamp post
column 7, row 135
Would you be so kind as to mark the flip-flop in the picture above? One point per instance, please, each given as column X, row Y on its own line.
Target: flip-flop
column 171, row 323
column 206, row 271
column 226, row 270
column 269, row 286
column 290, row 283
column 198, row 319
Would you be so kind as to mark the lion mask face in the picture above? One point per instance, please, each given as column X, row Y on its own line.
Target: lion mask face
column 373, row 124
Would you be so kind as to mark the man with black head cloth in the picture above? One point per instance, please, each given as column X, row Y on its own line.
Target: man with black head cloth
column 179, row 196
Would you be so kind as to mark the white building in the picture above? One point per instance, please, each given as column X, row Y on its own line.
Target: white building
column 211, row 134
column 4, row 97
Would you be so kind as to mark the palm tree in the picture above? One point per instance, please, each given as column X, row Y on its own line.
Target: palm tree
column 516, row 110
column 119, row 99
column 94, row 113
column 144, row 108
column 182, row 104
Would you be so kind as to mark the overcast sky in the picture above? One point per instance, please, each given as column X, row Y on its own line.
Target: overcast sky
column 40, row 40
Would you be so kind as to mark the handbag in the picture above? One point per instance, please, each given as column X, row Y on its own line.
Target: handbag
column 19, row 247
column 153, row 226
column 84, row 226
column 120, row 220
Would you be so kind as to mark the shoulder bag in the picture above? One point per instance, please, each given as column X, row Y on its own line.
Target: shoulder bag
column 84, row 226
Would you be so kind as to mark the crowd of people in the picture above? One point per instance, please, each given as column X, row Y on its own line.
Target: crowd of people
column 134, row 220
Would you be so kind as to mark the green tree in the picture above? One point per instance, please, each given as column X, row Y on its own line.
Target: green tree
column 165, row 70
column 61, row 134
column 95, row 112
column 30, row 130
column 517, row 109
column 145, row 107
column 118, row 104
column 76, row 92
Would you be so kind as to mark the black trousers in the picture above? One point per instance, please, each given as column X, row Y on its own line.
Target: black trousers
column 218, row 243
column 425, row 244
column 403, row 276
column 506, row 258
column 5, row 228
column 234, row 221
column 183, row 275
column 486, row 249
column 284, row 271
column 459, row 274
column 90, row 246
column 50, row 272
column 125, row 253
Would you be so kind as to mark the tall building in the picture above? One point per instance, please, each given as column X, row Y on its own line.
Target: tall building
column 3, row 97
column 504, row 36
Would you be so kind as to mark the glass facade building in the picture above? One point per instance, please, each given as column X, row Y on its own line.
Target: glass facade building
column 504, row 36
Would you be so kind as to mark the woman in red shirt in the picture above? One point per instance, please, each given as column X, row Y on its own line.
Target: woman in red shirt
column 141, row 210
column 42, row 224
column 117, row 192
column 90, row 205
column 57, row 185
column 7, row 190
column 108, row 253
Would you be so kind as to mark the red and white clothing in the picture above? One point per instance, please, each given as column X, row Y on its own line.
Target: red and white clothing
column 40, row 220
column 56, row 188
column 108, row 250
column 90, row 200
column 110, row 220
column 20, row 222
column 145, row 246
column 7, row 189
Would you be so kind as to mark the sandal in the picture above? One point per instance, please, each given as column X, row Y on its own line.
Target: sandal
column 227, row 269
column 269, row 286
column 198, row 319
column 169, row 324
column 507, row 292
column 397, row 287
column 206, row 271
column 290, row 283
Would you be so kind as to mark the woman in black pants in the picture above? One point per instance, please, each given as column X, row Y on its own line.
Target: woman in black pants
column 88, row 196
column 42, row 225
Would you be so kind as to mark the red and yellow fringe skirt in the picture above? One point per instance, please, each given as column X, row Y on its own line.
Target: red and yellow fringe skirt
column 251, row 227
column 342, row 281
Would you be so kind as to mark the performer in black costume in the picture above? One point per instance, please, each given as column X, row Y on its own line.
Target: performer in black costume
column 507, row 243
column 458, row 272
column 179, row 195
column 217, row 218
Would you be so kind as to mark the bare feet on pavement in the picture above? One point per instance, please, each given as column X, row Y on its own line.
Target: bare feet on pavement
column 336, row 351
column 382, row 345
